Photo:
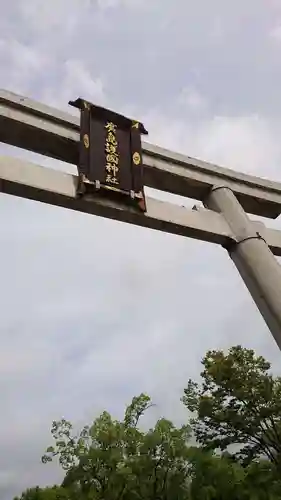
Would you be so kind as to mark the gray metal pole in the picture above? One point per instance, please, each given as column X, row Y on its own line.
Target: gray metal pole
column 251, row 255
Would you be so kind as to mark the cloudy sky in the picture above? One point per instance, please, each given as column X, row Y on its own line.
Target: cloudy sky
column 93, row 311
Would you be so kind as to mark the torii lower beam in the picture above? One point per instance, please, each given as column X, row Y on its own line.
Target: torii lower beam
column 34, row 182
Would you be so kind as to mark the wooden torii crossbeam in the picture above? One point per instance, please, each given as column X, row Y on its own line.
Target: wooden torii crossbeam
column 226, row 194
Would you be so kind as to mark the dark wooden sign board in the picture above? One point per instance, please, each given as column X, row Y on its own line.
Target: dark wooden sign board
column 110, row 156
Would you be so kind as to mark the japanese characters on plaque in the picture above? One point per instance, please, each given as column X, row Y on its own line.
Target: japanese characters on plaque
column 110, row 155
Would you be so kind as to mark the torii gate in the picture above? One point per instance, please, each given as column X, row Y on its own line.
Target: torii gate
column 227, row 196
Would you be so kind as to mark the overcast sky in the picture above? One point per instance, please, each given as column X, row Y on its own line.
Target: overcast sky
column 93, row 311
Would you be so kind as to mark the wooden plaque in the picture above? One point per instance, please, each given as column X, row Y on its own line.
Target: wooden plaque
column 110, row 156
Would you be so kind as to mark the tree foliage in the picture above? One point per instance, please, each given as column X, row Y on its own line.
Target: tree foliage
column 117, row 460
column 238, row 404
column 219, row 477
column 53, row 493
column 236, row 422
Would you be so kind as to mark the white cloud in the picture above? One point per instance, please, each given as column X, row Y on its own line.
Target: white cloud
column 20, row 64
column 42, row 18
column 245, row 143
column 192, row 99
column 275, row 33
column 130, row 4
column 76, row 81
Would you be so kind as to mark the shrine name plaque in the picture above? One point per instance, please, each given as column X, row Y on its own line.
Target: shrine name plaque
column 110, row 154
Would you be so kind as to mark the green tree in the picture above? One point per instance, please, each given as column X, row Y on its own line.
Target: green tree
column 53, row 493
column 262, row 481
column 216, row 477
column 117, row 460
column 219, row 477
column 239, row 404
